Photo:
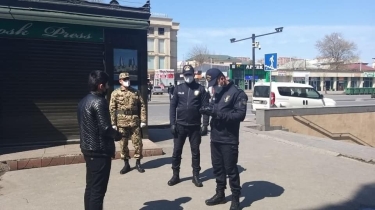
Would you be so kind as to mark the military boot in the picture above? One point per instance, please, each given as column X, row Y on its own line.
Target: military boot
column 175, row 178
column 196, row 181
column 218, row 198
column 235, row 205
column 138, row 166
column 126, row 167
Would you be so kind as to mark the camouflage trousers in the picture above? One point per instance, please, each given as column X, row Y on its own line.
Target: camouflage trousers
column 133, row 134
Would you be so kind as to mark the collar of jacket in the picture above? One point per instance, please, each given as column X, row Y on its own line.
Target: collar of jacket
column 96, row 93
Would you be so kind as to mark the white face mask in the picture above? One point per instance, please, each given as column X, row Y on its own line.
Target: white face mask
column 188, row 79
column 126, row 83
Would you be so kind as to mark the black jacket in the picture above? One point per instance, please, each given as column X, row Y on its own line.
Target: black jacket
column 206, row 118
column 185, row 104
column 96, row 132
column 230, row 107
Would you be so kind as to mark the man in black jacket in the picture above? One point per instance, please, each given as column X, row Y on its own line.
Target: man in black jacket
column 97, row 139
column 227, row 108
column 186, row 101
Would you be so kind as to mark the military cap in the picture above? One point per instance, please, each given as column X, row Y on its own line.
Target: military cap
column 124, row 75
column 212, row 75
column 188, row 70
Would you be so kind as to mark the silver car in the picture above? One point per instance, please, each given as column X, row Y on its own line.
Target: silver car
column 157, row 90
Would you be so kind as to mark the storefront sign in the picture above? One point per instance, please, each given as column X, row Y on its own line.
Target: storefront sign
column 44, row 30
column 300, row 74
column 243, row 66
column 368, row 74
column 247, row 77
column 281, row 73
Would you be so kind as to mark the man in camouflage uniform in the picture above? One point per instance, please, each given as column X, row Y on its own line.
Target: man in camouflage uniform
column 128, row 115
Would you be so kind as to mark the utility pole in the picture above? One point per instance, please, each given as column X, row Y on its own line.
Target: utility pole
column 254, row 45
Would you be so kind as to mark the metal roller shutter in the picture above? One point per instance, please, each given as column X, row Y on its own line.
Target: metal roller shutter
column 42, row 83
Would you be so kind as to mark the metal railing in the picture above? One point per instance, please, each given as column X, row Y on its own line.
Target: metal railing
column 325, row 132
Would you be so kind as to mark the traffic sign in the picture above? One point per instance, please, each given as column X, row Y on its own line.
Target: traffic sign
column 270, row 62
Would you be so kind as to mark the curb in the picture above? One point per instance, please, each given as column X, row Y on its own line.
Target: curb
column 68, row 159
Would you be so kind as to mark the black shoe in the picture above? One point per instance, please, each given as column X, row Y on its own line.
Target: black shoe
column 126, row 168
column 235, row 205
column 138, row 166
column 196, row 181
column 174, row 180
column 218, row 198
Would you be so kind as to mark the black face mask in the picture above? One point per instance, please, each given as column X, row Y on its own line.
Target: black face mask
column 218, row 89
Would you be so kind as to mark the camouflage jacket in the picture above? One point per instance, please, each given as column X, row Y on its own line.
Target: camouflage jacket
column 127, row 108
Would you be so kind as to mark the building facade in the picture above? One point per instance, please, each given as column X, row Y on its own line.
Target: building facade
column 48, row 49
column 328, row 79
column 162, row 43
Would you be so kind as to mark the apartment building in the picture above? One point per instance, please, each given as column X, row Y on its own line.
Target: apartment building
column 162, row 43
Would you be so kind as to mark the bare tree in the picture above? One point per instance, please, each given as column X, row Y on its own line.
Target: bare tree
column 199, row 53
column 336, row 50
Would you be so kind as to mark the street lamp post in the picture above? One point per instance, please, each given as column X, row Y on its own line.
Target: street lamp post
column 277, row 30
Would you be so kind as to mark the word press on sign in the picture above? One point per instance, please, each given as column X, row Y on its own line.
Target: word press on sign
column 270, row 62
column 43, row 30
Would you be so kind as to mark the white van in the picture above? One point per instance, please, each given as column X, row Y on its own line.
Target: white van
column 287, row 95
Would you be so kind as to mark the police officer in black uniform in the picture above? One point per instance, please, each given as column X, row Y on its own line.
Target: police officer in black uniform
column 227, row 108
column 185, row 120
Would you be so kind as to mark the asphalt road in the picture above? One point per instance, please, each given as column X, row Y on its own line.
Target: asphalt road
column 158, row 113
column 159, row 106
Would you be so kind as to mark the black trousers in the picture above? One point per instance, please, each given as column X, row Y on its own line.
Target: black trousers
column 193, row 132
column 224, row 159
column 97, row 176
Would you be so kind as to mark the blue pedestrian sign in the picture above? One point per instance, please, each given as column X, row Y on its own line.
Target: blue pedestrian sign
column 270, row 62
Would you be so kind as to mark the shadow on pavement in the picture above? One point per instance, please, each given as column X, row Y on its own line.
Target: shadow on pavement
column 158, row 135
column 166, row 204
column 364, row 199
column 209, row 174
column 258, row 190
column 157, row 163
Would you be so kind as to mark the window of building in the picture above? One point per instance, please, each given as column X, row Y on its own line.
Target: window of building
column 150, row 45
column 151, row 62
column 367, row 82
column 161, row 31
column 342, row 83
column 150, row 30
column 161, row 46
column 161, row 63
column 354, row 82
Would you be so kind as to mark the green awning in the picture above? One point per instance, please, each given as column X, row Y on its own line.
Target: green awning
column 71, row 18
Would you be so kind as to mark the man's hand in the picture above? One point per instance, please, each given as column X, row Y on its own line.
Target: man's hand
column 204, row 130
column 208, row 110
column 143, row 125
column 173, row 130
